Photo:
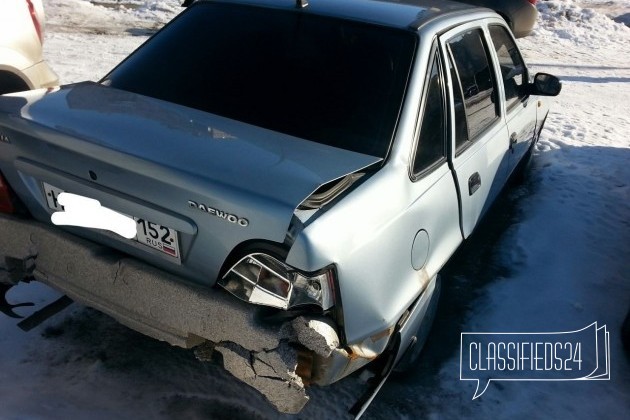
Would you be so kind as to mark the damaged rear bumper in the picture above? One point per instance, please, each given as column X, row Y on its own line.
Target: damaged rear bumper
column 277, row 358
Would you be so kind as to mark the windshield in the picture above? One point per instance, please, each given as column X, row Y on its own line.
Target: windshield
column 327, row 80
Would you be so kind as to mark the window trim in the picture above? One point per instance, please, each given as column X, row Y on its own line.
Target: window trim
column 495, row 55
column 481, row 27
column 457, row 84
column 434, row 56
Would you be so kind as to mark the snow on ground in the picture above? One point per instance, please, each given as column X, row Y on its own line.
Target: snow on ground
column 107, row 31
column 552, row 255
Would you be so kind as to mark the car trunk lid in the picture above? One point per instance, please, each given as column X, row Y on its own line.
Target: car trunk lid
column 151, row 159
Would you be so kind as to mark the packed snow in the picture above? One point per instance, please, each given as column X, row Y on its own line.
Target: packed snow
column 552, row 255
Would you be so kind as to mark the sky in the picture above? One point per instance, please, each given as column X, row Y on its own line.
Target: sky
column 552, row 255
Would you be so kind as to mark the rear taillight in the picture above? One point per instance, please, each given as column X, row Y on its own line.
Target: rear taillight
column 6, row 197
column 36, row 24
column 533, row 2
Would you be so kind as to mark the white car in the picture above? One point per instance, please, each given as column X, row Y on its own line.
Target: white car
column 22, row 66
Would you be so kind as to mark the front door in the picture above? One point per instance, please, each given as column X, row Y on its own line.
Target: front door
column 520, row 113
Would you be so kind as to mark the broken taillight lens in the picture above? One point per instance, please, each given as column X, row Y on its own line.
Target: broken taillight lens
column 6, row 196
column 264, row 280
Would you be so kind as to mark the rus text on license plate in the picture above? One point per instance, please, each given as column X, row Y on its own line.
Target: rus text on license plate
column 157, row 236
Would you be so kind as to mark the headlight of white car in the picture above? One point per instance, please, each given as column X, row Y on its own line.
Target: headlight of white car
column 264, row 280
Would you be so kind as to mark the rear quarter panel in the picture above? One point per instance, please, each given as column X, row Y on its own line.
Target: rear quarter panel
column 370, row 233
column 17, row 33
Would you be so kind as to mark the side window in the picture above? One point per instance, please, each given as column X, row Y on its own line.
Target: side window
column 476, row 81
column 513, row 68
column 461, row 126
column 430, row 147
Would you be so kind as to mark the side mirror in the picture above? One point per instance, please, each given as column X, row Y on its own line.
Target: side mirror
column 545, row 85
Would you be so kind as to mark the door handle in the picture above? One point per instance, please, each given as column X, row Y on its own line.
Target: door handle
column 474, row 182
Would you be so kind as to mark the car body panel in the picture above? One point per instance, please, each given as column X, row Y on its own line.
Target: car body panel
column 376, row 244
column 18, row 30
column 162, row 155
column 489, row 164
column 20, row 45
column 379, row 226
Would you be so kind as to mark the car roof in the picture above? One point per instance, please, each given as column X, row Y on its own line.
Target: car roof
column 407, row 14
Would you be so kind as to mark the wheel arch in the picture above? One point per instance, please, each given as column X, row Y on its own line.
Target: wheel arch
column 12, row 82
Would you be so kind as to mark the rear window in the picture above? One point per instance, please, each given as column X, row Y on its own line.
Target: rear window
column 326, row 80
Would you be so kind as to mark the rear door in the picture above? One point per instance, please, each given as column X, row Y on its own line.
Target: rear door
column 519, row 110
column 479, row 138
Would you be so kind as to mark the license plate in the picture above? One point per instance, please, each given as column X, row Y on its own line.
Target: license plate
column 157, row 236
column 148, row 233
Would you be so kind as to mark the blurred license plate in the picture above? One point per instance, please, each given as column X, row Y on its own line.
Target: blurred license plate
column 148, row 233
